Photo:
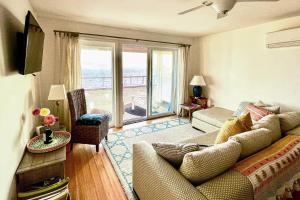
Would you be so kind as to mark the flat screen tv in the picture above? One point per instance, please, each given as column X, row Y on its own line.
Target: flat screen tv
column 30, row 46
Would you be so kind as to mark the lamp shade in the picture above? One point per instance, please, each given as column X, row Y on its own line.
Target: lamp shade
column 57, row 92
column 198, row 80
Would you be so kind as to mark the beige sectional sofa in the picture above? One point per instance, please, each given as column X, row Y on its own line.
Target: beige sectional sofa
column 156, row 179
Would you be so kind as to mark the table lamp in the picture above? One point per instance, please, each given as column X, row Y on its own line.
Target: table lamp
column 57, row 93
column 197, row 82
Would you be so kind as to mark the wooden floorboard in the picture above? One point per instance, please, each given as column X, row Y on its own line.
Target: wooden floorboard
column 92, row 176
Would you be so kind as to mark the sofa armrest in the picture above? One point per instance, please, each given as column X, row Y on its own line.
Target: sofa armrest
column 155, row 178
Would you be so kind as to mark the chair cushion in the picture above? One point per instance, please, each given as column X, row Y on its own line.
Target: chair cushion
column 215, row 116
column 272, row 123
column 174, row 153
column 92, row 119
column 200, row 166
column 241, row 108
column 289, row 120
column 231, row 127
column 253, row 141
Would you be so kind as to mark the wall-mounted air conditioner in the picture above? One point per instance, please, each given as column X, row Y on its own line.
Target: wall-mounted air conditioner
column 285, row 38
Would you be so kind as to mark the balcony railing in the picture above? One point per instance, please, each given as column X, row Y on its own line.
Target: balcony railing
column 105, row 82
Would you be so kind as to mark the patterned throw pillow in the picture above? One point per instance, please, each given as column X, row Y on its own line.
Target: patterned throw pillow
column 253, row 141
column 200, row 166
column 272, row 123
column 289, row 120
column 230, row 127
column 246, row 121
column 257, row 112
column 174, row 153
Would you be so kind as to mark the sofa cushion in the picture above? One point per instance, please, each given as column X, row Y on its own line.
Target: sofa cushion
column 229, row 185
column 200, row 166
column 231, row 127
column 253, row 141
column 257, row 112
column 174, row 153
column 295, row 131
column 215, row 116
column 205, row 138
column 289, row 120
column 272, row 123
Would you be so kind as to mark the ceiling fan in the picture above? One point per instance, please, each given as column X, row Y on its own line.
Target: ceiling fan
column 222, row 7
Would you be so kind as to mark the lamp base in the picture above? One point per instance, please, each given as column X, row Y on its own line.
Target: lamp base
column 197, row 91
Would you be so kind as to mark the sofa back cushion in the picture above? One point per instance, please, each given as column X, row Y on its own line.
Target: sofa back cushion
column 272, row 123
column 253, row 141
column 200, row 166
column 289, row 121
column 174, row 153
column 230, row 127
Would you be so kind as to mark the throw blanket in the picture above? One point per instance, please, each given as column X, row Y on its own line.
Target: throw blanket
column 263, row 167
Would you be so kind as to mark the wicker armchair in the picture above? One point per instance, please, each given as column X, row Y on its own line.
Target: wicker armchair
column 84, row 134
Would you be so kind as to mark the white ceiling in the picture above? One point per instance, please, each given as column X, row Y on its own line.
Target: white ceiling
column 161, row 15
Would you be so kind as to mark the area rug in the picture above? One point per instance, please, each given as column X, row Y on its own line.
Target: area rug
column 119, row 145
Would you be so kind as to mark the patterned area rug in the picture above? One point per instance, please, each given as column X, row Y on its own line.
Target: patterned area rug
column 119, row 145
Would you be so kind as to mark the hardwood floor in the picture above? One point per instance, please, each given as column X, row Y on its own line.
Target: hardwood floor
column 91, row 174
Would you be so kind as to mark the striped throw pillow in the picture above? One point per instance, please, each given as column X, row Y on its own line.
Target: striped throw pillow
column 257, row 112
column 174, row 153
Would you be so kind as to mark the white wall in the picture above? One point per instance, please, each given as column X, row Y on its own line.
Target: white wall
column 49, row 25
column 19, row 94
column 238, row 67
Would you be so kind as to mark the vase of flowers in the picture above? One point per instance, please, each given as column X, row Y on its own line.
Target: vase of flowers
column 48, row 120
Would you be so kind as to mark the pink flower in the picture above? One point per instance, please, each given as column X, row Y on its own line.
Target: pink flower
column 49, row 120
column 36, row 112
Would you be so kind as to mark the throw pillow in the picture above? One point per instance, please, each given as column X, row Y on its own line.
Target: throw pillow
column 253, row 141
column 257, row 112
column 272, row 123
column 200, row 166
column 289, row 120
column 174, row 153
column 246, row 121
column 241, row 109
column 230, row 127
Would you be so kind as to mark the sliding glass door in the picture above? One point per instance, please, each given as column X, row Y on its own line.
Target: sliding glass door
column 134, row 67
column 130, row 82
column 97, row 65
column 162, row 77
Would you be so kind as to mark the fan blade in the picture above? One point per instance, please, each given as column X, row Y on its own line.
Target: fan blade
column 191, row 9
column 254, row 0
column 221, row 15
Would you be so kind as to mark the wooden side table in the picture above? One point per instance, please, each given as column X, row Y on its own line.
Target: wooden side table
column 190, row 107
column 38, row 167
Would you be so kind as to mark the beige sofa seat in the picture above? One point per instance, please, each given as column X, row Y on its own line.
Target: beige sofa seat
column 209, row 120
column 204, row 138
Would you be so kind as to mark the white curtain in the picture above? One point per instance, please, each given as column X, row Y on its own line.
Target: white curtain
column 67, row 69
column 182, row 77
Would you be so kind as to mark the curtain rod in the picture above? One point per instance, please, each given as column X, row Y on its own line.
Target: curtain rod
column 118, row 37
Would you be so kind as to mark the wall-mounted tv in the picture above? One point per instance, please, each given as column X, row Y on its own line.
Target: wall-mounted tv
column 30, row 46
